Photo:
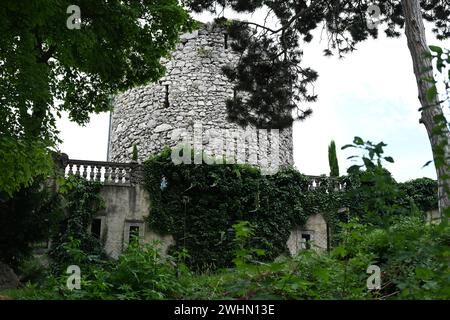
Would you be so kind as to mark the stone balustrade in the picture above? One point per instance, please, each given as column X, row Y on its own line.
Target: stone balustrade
column 105, row 172
column 127, row 204
column 132, row 173
column 316, row 181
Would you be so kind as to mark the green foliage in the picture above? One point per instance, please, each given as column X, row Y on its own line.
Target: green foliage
column 408, row 252
column 271, row 80
column 134, row 156
column 332, row 160
column 21, row 161
column 310, row 275
column 422, row 191
column 201, row 203
column 413, row 257
column 441, row 57
column 73, row 241
column 441, row 159
column 32, row 270
column 26, row 218
column 140, row 273
column 243, row 232
column 377, row 196
column 118, row 46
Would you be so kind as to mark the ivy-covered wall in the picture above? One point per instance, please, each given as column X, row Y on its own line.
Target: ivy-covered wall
column 198, row 204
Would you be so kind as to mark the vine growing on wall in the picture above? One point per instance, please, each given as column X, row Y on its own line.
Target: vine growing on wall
column 198, row 204
column 82, row 201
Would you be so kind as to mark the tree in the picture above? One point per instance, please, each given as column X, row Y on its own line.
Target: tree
column 134, row 155
column 332, row 160
column 21, row 161
column 118, row 46
column 271, row 82
column 432, row 115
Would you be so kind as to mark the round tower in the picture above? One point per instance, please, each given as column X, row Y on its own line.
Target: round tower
column 188, row 106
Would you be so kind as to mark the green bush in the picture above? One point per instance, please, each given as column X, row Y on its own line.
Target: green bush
column 412, row 256
column 423, row 192
column 198, row 204
column 143, row 273
column 82, row 201
column 140, row 273
column 26, row 218
column 32, row 270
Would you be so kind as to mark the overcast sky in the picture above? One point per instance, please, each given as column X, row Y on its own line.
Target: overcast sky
column 372, row 93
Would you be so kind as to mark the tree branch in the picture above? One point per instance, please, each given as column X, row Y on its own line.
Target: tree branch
column 277, row 30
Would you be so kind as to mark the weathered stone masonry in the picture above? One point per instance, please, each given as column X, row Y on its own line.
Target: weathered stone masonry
column 193, row 91
column 127, row 205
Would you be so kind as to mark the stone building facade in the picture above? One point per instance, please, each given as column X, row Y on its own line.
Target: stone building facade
column 313, row 234
column 127, row 206
column 188, row 106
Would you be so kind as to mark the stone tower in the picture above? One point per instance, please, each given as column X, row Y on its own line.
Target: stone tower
column 188, row 106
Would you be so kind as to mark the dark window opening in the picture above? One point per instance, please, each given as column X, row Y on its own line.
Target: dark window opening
column 96, row 228
column 133, row 235
column 166, row 101
column 225, row 44
column 306, row 238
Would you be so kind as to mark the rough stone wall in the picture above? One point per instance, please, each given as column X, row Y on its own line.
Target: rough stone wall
column 190, row 99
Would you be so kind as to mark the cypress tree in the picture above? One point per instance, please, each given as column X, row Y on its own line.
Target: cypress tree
column 332, row 160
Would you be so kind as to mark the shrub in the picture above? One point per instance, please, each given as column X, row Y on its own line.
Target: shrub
column 32, row 270
column 82, row 202
column 25, row 218
column 423, row 192
column 140, row 273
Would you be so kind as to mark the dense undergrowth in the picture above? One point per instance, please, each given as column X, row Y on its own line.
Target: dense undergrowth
column 409, row 254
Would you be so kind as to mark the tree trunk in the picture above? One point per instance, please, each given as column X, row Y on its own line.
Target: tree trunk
column 431, row 111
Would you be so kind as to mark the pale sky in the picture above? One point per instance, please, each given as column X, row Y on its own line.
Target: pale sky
column 372, row 93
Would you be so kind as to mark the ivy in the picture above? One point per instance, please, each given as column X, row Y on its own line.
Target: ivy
column 82, row 201
column 199, row 204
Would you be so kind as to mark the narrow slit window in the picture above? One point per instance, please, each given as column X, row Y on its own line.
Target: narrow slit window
column 96, row 228
column 225, row 41
column 166, row 100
